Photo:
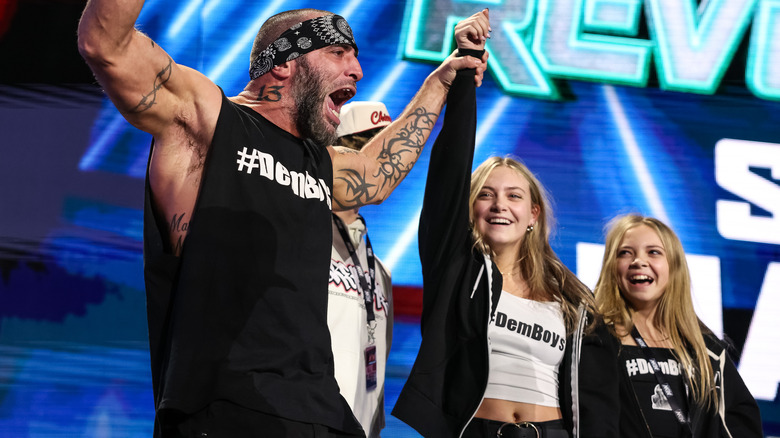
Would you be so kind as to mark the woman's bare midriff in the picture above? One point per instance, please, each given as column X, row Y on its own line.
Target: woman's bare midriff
column 515, row 412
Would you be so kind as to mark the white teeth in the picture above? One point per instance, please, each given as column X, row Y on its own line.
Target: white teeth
column 640, row 278
column 499, row 220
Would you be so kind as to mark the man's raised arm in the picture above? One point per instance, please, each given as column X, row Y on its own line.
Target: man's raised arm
column 370, row 175
column 176, row 104
column 144, row 83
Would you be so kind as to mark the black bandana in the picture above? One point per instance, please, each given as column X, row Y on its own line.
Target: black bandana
column 304, row 37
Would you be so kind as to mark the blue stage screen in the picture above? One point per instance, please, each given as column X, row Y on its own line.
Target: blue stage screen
column 667, row 108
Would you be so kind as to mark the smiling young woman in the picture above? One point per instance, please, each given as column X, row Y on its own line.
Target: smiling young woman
column 675, row 378
column 508, row 330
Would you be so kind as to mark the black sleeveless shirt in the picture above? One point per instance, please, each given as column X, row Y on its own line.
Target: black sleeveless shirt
column 242, row 314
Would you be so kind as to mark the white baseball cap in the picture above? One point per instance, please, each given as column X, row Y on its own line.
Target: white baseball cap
column 361, row 116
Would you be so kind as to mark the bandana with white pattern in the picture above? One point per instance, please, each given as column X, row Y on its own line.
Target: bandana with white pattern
column 302, row 38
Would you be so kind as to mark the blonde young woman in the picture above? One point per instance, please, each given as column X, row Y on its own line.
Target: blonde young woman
column 504, row 322
column 644, row 294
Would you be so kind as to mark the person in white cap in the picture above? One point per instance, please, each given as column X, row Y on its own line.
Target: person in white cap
column 360, row 310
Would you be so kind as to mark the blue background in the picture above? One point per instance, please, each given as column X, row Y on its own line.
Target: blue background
column 73, row 353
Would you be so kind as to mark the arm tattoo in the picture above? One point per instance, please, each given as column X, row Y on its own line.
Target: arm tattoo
column 396, row 159
column 178, row 229
column 149, row 99
column 359, row 191
column 178, row 245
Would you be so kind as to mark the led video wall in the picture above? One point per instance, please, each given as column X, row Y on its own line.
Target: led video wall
column 668, row 108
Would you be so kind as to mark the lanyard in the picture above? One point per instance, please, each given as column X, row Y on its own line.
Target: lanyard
column 659, row 376
column 366, row 287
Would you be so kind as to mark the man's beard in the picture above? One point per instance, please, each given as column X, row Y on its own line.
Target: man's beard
column 309, row 93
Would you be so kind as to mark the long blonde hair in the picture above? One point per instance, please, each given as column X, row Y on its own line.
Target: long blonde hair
column 546, row 275
column 675, row 314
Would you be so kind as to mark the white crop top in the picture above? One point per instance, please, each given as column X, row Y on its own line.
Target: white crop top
column 528, row 339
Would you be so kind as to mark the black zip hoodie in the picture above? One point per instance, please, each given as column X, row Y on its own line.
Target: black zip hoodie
column 738, row 415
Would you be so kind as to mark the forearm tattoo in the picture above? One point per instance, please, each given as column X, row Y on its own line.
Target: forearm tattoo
column 398, row 156
column 148, row 100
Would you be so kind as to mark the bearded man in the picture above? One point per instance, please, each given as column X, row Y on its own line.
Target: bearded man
column 239, row 194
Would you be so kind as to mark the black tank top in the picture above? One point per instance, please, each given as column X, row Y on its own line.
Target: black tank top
column 241, row 315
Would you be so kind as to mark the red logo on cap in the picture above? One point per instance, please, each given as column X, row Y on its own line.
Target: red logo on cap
column 378, row 117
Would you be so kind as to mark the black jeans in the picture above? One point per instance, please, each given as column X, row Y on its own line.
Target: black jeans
column 482, row 428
